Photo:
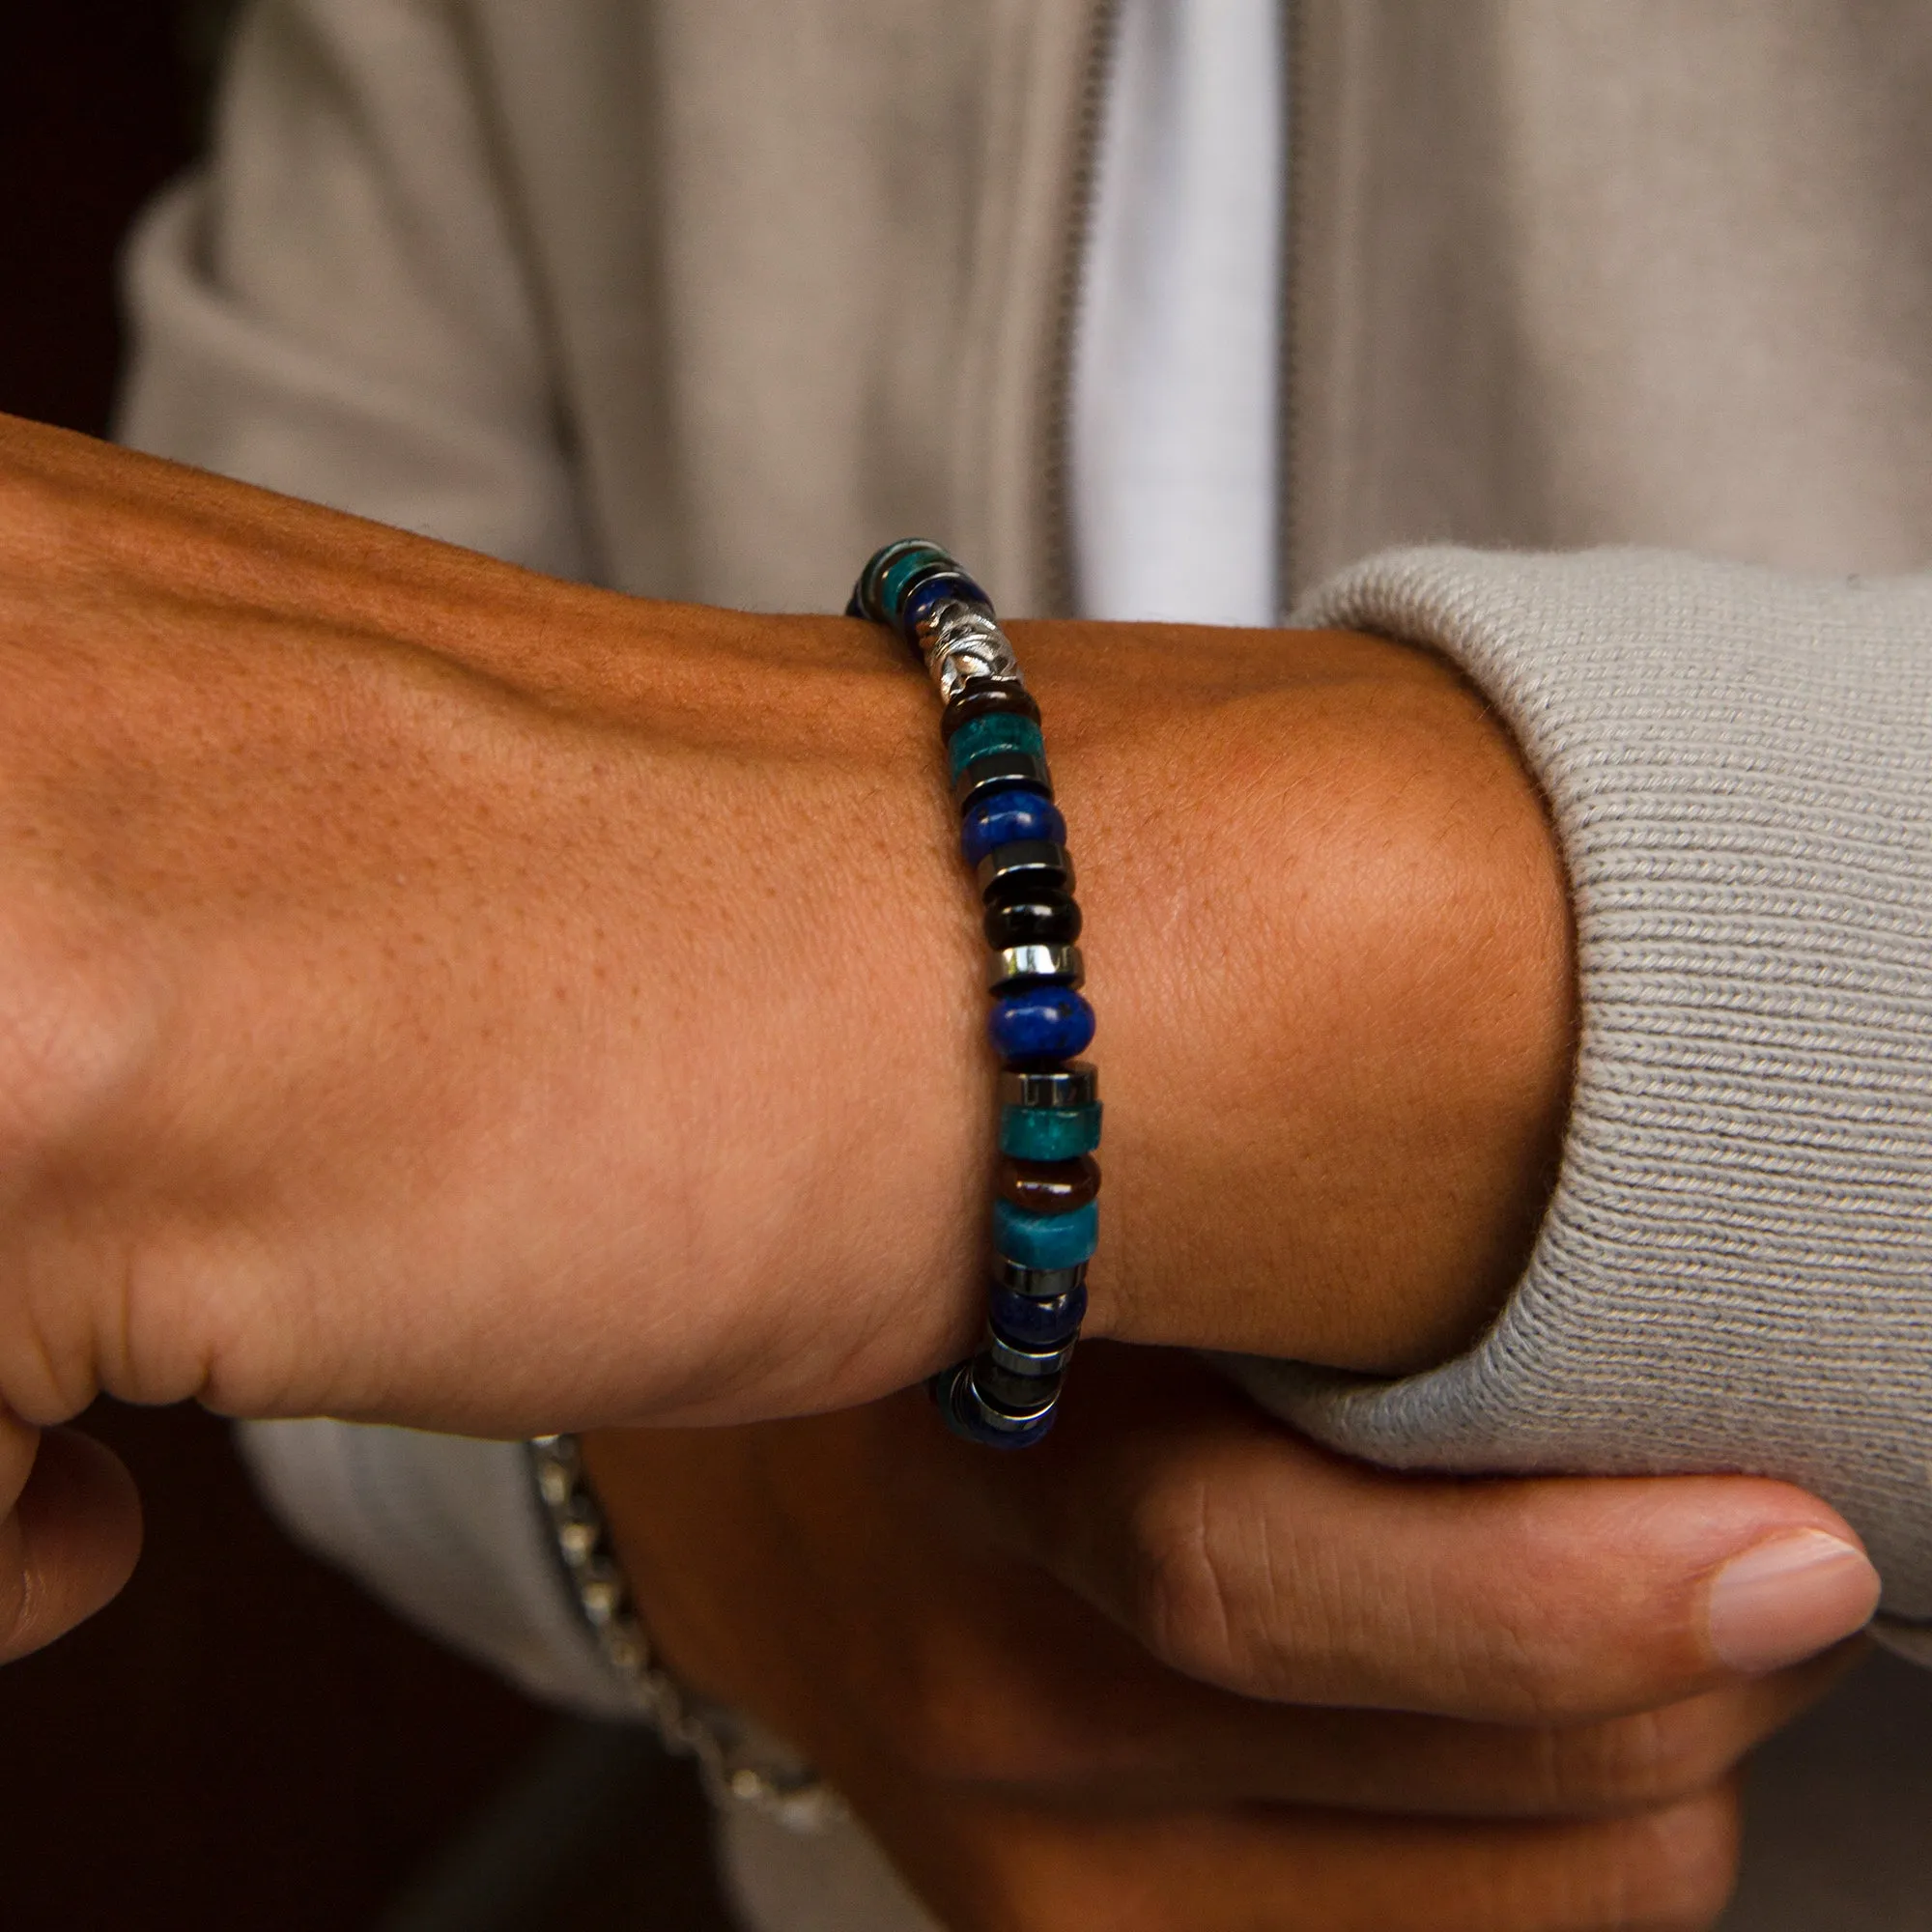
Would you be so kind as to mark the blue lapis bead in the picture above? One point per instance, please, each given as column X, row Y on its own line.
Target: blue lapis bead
column 997, row 732
column 1045, row 1240
column 1038, row 1324
column 1038, row 1023
column 945, row 587
column 1049, row 1133
column 1009, row 818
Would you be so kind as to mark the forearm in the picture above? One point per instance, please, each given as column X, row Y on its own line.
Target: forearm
column 419, row 959
column 451, row 995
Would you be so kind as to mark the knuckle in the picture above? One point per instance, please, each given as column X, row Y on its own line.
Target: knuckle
column 1186, row 1586
column 69, row 1035
column 1638, row 1762
column 1676, row 1867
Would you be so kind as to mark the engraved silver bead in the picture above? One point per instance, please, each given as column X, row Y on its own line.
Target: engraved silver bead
column 953, row 621
column 963, row 642
column 1013, row 963
column 929, row 626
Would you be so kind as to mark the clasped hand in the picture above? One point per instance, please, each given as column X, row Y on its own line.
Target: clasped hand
column 1181, row 1672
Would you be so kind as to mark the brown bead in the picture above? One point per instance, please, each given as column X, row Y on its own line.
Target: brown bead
column 1049, row 1186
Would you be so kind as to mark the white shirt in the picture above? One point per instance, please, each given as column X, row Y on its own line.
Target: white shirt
column 1176, row 364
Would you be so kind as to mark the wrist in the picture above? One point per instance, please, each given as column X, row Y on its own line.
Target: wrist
column 1332, row 958
column 1328, row 941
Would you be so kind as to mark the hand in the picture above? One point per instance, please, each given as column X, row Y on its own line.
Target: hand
column 69, row 1532
column 1177, row 1671
column 441, row 994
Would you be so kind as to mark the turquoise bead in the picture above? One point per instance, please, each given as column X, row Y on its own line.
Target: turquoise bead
column 997, row 732
column 1045, row 1240
column 1049, row 1133
column 865, row 594
column 900, row 573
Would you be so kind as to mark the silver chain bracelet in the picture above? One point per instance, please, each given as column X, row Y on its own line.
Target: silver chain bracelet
column 738, row 1764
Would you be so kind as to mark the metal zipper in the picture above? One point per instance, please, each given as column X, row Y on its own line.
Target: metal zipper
column 1288, row 294
column 1090, row 120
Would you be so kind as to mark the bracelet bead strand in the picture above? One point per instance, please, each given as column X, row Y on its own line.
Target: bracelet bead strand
column 1046, row 1217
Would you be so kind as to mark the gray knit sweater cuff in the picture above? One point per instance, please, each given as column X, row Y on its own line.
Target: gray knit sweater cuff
column 1736, row 1271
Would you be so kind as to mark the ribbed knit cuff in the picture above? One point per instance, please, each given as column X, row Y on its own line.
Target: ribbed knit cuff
column 1736, row 1271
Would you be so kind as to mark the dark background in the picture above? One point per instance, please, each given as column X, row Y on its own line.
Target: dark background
column 244, row 1741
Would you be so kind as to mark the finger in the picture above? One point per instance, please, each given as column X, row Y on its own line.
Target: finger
column 1243, row 1555
column 69, row 1541
column 986, row 1867
column 19, row 1442
column 1079, row 1712
column 1401, row 1764
column 1438, row 1766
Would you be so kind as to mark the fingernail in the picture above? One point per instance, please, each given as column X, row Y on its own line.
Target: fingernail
column 1788, row 1599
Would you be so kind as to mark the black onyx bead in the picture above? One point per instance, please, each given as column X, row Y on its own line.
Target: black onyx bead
column 1042, row 918
column 1049, row 1186
column 1002, row 771
column 1023, row 870
column 981, row 699
column 1017, row 1395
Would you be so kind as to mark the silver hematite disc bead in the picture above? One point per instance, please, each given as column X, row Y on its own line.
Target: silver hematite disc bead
column 1074, row 1085
column 1029, row 1359
column 970, row 1414
column 1061, row 964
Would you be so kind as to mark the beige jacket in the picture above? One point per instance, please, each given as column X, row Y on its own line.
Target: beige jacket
column 774, row 275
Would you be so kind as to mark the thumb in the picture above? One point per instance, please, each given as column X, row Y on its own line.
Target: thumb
column 69, row 1540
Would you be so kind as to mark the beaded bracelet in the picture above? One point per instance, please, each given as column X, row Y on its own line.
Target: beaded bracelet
column 1045, row 1219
